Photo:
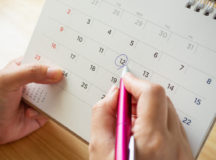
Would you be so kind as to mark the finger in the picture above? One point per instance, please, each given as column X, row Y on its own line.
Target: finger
column 41, row 120
column 183, row 130
column 36, row 116
column 22, row 75
column 32, row 121
column 152, row 104
column 104, row 115
column 174, row 123
column 172, row 120
column 134, row 85
column 33, row 124
column 152, row 107
column 30, row 112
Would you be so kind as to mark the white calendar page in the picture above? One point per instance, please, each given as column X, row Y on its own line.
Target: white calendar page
column 162, row 41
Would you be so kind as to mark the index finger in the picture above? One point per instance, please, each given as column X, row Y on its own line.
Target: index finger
column 16, row 77
column 152, row 101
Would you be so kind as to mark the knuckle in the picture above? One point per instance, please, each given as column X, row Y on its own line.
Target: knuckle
column 156, row 144
column 156, row 89
column 99, row 105
column 37, row 70
column 34, row 69
column 99, row 147
column 96, row 106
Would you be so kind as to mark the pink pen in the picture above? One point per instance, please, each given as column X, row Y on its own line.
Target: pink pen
column 123, row 129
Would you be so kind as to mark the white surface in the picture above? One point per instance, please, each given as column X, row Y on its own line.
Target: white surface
column 164, row 43
column 18, row 19
column 12, row 41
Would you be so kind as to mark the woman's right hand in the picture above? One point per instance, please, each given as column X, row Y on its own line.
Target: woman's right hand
column 157, row 130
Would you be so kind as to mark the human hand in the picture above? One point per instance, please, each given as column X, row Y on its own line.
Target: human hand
column 158, row 132
column 17, row 119
column 103, row 127
column 156, row 127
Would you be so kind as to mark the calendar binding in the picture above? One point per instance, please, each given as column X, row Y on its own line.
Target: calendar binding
column 208, row 6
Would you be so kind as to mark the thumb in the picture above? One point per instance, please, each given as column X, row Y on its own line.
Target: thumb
column 24, row 74
column 104, row 116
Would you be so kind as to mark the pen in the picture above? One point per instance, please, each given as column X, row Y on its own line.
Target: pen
column 123, row 129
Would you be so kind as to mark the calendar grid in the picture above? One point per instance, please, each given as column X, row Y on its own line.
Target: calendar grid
column 55, row 20
column 93, row 85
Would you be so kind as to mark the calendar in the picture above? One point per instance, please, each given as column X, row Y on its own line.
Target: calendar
column 168, row 42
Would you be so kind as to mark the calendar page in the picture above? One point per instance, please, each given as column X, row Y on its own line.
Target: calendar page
column 170, row 42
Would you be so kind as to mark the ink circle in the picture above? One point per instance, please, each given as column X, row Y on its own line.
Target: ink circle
column 121, row 60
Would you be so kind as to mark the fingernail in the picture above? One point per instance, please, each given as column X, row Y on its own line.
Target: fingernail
column 54, row 73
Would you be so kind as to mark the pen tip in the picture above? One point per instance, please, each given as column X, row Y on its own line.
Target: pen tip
column 124, row 71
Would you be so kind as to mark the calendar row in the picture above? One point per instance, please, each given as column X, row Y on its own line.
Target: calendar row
column 141, row 33
column 89, row 81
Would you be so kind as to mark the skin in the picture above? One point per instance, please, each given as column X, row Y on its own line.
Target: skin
column 17, row 119
column 156, row 127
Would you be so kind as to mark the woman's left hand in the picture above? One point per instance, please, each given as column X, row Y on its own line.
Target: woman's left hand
column 17, row 119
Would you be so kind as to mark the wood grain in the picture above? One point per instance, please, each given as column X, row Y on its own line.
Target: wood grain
column 52, row 142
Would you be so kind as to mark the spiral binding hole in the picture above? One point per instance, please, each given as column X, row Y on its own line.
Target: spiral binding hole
column 197, row 9
column 190, row 3
column 207, row 5
column 188, row 6
column 206, row 13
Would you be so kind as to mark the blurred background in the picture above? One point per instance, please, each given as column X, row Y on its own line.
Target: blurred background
column 17, row 21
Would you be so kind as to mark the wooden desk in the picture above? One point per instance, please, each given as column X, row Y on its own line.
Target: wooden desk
column 48, row 143
column 51, row 142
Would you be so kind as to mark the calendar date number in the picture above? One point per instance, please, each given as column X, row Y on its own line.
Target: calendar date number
column 187, row 121
column 84, row 85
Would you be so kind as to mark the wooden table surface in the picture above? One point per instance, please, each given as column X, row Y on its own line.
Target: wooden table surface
column 52, row 142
